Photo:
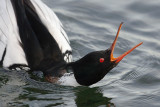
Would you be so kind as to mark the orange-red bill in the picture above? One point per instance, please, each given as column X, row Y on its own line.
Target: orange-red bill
column 118, row 59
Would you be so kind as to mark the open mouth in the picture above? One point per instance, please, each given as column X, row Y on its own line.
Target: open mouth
column 118, row 59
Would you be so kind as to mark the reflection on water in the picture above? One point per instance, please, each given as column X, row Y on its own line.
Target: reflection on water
column 91, row 97
column 91, row 25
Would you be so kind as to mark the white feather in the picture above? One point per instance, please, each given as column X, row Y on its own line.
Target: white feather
column 9, row 37
column 51, row 21
column 9, row 34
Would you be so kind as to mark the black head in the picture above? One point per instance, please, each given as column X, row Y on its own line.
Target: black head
column 95, row 65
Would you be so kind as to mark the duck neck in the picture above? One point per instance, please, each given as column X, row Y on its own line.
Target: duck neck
column 53, row 74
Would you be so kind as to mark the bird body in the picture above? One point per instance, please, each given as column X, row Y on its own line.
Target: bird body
column 31, row 35
column 30, row 24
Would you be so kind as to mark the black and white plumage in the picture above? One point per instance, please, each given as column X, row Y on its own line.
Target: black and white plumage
column 31, row 34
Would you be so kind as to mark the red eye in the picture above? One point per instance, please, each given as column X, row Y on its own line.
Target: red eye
column 101, row 60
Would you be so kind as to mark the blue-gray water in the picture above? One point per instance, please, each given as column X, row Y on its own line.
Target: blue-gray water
column 92, row 25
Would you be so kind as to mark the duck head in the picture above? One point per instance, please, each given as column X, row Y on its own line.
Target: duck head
column 95, row 65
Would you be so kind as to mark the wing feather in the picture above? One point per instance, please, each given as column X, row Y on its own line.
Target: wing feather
column 54, row 26
column 11, row 50
column 9, row 36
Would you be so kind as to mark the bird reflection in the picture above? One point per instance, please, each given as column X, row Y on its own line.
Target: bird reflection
column 91, row 97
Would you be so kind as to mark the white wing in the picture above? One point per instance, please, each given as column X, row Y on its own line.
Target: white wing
column 51, row 21
column 9, row 36
column 11, row 51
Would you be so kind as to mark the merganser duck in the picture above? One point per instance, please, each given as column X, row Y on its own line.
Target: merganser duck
column 31, row 35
